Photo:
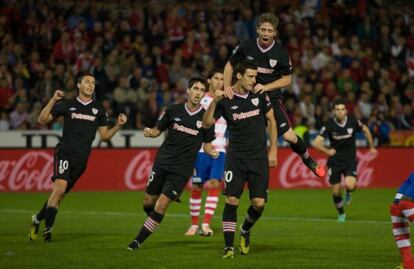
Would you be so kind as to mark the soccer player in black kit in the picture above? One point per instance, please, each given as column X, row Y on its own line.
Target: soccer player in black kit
column 82, row 118
column 273, row 73
column 173, row 164
column 248, row 159
column 341, row 131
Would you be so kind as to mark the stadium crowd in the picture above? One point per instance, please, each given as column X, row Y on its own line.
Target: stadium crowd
column 142, row 56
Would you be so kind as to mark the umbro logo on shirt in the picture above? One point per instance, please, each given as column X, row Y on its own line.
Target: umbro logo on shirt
column 72, row 108
column 234, row 107
column 283, row 124
column 177, row 119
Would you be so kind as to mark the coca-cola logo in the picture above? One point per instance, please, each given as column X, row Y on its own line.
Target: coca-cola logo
column 294, row 174
column 31, row 172
column 138, row 170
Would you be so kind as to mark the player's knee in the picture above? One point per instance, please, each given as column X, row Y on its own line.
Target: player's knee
column 258, row 204
column 213, row 184
column 232, row 200
column 148, row 201
column 196, row 187
column 290, row 136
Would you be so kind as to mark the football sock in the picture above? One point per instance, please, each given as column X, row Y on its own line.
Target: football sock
column 50, row 216
column 42, row 213
column 229, row 224
column 211, row 204
column 148, row 209
column 401, row 230
column 150, row 225
column 300, row 148
column 195, row 205
column 339, row 204
column 252, row 216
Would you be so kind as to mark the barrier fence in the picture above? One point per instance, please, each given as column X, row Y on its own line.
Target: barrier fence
column 30, row 170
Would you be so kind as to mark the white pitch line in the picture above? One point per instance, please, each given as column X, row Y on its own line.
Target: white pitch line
column 175, row 215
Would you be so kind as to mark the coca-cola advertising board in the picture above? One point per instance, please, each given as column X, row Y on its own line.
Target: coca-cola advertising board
column 127, row 169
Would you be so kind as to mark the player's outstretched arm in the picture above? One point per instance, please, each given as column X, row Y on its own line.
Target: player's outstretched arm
column 369, row 138
column 318, row 143
column 106, row 134
column 45, row 115
column 152, row 132
column 272, row 133
column 282, row 82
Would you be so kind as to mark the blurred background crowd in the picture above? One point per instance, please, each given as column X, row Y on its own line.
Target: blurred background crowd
column 142, row 54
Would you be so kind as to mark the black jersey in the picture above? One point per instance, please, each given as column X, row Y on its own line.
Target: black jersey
column 342, row 138
column 246, row 123
column 81, row 120
column 185, row 136
column 273, row 62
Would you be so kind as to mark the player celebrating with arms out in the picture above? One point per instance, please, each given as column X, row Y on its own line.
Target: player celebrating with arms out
column 273, row 73
column 173, row 164
column 82, row 117
column 341, row 131
column 208, row 171
column 248, row 159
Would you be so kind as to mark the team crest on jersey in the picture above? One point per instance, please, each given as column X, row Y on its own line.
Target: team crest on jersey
column 94, row 111
column 255, row 101
column 272, row 62
column 350, row 130
column 199, row 124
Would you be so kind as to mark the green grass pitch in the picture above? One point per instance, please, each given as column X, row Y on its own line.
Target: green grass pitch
column 298, row 230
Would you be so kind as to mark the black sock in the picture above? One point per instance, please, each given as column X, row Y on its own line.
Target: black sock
column 252, row 216
column 338, row 204
column 42, row 213
column 300, row 148
column 148, row 209
column 229, row 224
column 150, row 225
column 50, row 216
column 350, row 190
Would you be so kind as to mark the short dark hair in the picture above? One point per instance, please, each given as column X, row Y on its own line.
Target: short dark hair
column 338, row 102
column 243, row 65
column 80, row 76
column 268, row 17
column 214, row 71
column 198, row 79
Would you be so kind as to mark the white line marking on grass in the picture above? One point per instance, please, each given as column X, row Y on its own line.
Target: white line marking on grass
column 175, row 215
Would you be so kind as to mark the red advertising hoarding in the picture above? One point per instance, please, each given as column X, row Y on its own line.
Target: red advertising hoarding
column 127, row 169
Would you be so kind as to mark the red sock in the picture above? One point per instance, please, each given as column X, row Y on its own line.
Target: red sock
column 195, row 204
column 401, row 231
column 211, row 204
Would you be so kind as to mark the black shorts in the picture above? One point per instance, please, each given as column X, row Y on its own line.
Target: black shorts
column 282, row 119
column 68, row 167
column 168, row 183
column 239, row 171
column 336, row 170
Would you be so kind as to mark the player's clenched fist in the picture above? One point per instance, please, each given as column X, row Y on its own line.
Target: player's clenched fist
column 58, row 95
